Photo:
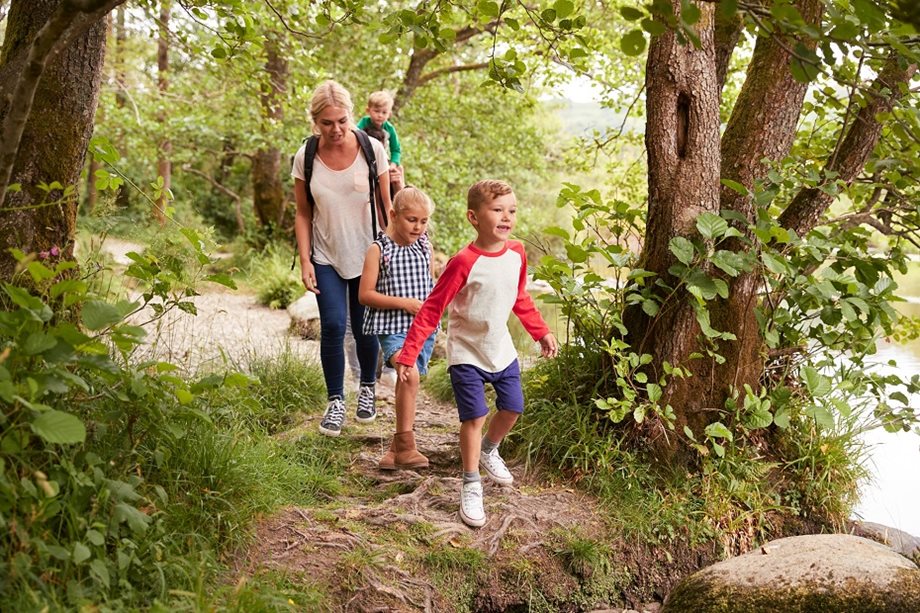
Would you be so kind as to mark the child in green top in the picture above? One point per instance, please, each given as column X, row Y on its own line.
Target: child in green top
column 379, row 109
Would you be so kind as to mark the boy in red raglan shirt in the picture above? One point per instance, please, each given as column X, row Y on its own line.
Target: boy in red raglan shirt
column 480, row 286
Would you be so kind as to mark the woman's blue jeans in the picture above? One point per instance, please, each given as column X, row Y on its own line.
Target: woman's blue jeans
column 334, row 294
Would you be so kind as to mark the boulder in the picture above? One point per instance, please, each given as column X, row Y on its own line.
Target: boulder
column 904, row 543
column 803, row 574
column 304, row 314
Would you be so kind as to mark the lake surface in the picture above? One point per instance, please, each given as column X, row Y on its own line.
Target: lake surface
column 891, row 496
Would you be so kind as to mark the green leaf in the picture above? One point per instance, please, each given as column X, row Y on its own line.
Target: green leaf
column 633, row 43
column 98, row 314
column 564, row 8
column 682, row 249
column 98, row 568
column 817, row 384
column 711, row 225
column 59, row 427
column 718, row 430
column 81, row 553
column 821, row 415
column 631, row 14
column 136, row 519
column 735, row 186
column 781, row 419
column 38, row 342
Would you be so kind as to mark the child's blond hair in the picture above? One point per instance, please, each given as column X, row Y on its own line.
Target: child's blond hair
column 381, row 99
column 485, row 191
column 410, row 197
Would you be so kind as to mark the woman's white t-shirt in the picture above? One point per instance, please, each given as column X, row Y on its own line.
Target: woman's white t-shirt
column 342, row 229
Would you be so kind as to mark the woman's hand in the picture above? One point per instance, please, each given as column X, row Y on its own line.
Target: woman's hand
column 308, row 276
column 548, row 346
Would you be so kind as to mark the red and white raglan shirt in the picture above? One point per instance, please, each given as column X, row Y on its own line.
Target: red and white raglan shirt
column 480, row 290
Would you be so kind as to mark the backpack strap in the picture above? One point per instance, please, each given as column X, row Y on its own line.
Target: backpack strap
column 373, row 181
column 309, row 154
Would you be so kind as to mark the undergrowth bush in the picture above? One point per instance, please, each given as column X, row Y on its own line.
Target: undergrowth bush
column 122, row 484
column 270, row 273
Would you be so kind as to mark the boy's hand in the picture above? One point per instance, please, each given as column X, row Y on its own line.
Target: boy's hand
column 402, row 372
column 548, row 346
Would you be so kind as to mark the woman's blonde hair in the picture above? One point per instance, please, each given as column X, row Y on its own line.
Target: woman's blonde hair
column 331, row 93
column 411, row 197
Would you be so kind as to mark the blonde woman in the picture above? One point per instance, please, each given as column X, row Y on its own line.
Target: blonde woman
column 335, row 225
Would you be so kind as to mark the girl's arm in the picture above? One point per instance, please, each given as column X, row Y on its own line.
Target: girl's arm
column 367, row 288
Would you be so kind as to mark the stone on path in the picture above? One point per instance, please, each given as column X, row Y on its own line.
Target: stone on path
column 304, row 314
column 804, row 574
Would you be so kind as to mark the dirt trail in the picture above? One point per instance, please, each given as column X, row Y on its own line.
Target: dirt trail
column 423, row 505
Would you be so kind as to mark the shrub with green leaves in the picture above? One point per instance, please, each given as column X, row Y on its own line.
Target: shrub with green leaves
column 83, row 427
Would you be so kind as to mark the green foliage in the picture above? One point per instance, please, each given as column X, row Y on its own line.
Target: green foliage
column 109, row 466
column 270, row 273
column 437, row 381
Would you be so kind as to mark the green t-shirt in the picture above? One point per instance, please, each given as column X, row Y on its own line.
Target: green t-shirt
column 395, row 151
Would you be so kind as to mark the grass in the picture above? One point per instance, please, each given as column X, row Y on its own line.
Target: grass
column 809, row 474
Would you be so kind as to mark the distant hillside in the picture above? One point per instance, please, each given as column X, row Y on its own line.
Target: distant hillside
column 581, row 118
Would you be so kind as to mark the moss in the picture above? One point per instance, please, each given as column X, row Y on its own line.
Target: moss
column 699, row 595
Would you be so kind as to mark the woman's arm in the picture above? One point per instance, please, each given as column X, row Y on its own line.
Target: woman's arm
column 367, row 289
column 303, row 230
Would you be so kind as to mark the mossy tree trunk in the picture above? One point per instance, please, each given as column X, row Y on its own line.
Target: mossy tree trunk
column 164, row 148
column 268, row 195
column 58, row 122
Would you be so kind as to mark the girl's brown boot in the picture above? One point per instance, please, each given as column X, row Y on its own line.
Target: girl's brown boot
column 388, row 461
column 407, row 456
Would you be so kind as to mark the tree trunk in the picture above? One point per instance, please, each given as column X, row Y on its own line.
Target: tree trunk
column 761, row 129
column 682, row 140
column 91, row 194
column 164, row 149
column 268, row 195
column 55, row 135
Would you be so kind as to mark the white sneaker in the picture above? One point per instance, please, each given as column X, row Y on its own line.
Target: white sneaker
column 471, row 511
column 495, row 467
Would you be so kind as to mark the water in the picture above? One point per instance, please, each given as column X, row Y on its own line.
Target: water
column 891, row 495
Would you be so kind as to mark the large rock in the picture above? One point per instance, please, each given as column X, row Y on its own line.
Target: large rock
column 904, row 543
column 819, row 573
column 304, row 314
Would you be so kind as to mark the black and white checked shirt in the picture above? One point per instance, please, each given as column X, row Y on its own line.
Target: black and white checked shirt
column 405, row 272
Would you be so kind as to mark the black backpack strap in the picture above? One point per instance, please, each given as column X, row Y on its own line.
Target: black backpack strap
column 373, row 181
column 309, row 154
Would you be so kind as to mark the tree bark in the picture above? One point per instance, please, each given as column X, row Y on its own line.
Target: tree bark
column 682, row 140
column 268, row 194
column 164, row 148
column 761, row 129
column 56, row 129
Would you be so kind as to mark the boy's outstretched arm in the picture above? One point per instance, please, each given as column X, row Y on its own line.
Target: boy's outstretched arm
column 548, row 346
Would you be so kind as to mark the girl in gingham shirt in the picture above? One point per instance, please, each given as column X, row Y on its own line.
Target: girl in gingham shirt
column 395, row 281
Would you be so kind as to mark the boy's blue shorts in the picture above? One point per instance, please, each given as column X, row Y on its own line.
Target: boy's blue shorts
column 469, row 382
column 391, row 343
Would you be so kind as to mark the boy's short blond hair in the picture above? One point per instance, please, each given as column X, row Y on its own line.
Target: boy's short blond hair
column 409, row 197
column 381, row 99
column 485, row 191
